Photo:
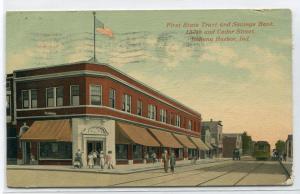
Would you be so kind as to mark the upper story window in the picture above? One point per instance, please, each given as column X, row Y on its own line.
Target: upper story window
column 126, row 103
column 163, row 115
column 29, row 98
column 74, row 95
column 177, row 121
column 139, row 110
column 8, row 105
column 54, row 96
column 152, row 111
column 189, row 125
column 112, row 98
column 95, row 94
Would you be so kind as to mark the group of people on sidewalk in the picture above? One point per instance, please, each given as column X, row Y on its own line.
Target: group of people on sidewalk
column 94, row 158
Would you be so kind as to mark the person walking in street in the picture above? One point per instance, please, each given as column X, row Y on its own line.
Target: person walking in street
column 102, row 160
column 172, row 162
column 109, row 160
column 165, row 159
column 91, row 160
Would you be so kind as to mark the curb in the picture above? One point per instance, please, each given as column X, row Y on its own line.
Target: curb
column 285, row 170
column 107, row 172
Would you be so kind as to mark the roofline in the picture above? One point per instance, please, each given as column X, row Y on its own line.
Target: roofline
column 117, row 70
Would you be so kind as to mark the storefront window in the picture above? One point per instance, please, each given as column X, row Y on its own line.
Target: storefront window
column 137, row 152
column 55, row 150
column 121, row 151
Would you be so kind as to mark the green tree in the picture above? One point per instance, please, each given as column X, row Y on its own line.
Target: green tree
column 280, row 146
column 246, row 142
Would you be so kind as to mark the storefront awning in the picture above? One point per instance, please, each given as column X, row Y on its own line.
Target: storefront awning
column 138, row 135
column 209, row 146
column 184, row 140
column 166, row 138
column 199, row 143
column 49, row 130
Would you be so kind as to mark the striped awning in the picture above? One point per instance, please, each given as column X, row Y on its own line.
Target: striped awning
column 165, row 138
column 199, row 143
column 184, row 140
column 49, row 130
column 209, row 146
column 136, row 134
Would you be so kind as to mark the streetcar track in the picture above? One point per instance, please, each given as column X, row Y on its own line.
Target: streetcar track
column 214, row 178
column 164, row 175
column 247, row 174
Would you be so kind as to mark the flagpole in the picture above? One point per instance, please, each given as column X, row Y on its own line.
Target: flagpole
column 94, row 13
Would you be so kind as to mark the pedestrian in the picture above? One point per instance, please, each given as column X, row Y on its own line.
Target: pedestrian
column 102, row 160
column 172, row 162
column 109, row 160
column 284, row 156
column 153, row 157
column 146, row 157
column 165, row 158
column 78, row 158
column 95, row 155
column 91, row 160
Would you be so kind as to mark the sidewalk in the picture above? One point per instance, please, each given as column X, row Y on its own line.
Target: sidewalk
column 119, row 169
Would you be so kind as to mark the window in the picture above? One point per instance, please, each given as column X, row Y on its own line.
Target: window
column 177, row 121
column 112, row 98
column 8, row 104
column 55, row 150
column 50, row 97
column 139, row 110
column 55, row 96
column 33, row 98
column 152, row 111
column 163, row 115
column 60, row 96
column 126, row 103
column 121, row 151
column 25, row 98
column 137, row 152
column 95, row 94
column 74, row 95
column 190, row 125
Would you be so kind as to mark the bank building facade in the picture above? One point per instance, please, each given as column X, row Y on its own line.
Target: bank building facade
column 58, row 110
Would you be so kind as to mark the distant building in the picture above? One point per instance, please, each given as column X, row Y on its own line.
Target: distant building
column 206, row 138
column 289, row 147
column 215, row 129
column 230, row 142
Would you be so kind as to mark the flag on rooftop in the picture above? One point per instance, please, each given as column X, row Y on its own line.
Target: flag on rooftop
column 99, row 27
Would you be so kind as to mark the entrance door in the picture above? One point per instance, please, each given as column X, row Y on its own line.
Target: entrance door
column 94, row 146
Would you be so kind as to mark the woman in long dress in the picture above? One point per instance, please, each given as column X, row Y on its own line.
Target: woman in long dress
column 91, row 160
column 102, row 160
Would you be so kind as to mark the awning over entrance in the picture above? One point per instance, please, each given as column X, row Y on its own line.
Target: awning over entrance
column 200, row 144
column 138, row 135
column 184, row 140
column 166, row 138
column 49, row 130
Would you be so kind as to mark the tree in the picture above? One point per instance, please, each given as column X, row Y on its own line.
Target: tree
column 280, row 146
column 246, row 143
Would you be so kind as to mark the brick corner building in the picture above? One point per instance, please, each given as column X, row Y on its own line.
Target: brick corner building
column 93, row 106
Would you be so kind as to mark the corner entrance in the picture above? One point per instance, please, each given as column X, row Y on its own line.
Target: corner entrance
column 94, row 146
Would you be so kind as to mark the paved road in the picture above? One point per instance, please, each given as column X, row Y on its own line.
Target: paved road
column 228, row 173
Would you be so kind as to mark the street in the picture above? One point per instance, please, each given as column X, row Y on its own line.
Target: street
column 225, row 173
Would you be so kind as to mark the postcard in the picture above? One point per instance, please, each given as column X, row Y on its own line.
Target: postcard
column 169, row 98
